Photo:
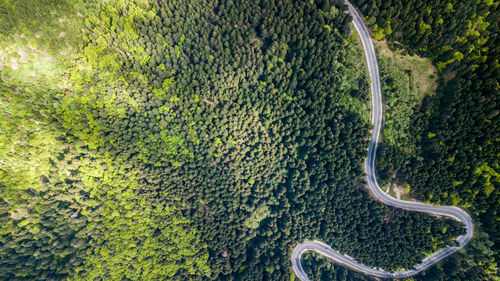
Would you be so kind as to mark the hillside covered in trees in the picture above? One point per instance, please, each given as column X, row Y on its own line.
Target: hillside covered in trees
column 201, row 140
column 451, row 156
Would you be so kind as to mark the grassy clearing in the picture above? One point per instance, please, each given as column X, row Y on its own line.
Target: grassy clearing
column 423, row 74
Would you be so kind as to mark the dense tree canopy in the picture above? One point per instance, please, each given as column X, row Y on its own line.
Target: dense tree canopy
column 454, row 133
column 188, row 140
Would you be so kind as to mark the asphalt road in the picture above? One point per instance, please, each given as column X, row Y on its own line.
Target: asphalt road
column 449, row 211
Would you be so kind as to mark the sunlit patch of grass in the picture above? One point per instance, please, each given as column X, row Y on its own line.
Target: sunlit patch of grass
column 28, row 66
column 423, row 74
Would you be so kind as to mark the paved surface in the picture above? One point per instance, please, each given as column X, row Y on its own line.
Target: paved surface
column 453, row 212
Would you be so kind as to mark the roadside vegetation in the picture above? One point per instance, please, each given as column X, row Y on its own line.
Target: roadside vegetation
column 356, row 80
column 188, row 140
column 400, row 99
column 453, row 134
column 317, row 267
column 422, row 73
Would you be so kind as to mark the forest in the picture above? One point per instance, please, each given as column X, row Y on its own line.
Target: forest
column 202, row 140
column 452, row 135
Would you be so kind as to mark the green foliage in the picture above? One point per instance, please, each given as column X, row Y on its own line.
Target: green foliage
column 355, row 81
column 455, row 132
column 27, row 141
column 400, row 99
column 259, row 214
column 139, row 242
column 62, row 204
column 189, row 140
column 317, row 267
column 378, row 33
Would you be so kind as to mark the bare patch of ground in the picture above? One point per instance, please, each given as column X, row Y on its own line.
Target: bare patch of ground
column 398, row 190
column 448, row 76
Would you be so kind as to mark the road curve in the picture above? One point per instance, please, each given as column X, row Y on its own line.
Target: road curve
column 449, row 211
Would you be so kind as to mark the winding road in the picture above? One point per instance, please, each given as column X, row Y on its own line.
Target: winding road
column 449, row 211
